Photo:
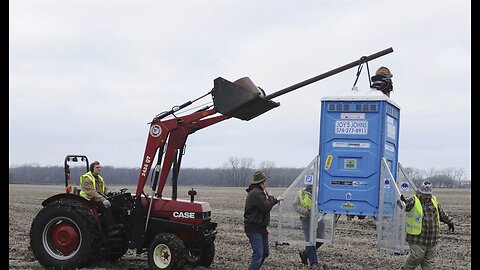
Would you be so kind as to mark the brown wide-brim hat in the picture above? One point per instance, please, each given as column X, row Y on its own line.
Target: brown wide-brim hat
column 258, row 177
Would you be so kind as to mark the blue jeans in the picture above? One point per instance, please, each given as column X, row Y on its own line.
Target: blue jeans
column 259, row 243
column 312, row 250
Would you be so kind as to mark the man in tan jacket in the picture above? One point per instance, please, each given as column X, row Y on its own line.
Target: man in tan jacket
column 93, row 188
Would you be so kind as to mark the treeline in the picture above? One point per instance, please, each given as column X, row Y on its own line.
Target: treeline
column 443, row 178
column 235, row 173
column 279, row 177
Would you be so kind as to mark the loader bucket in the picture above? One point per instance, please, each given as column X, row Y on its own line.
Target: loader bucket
column 241, row 99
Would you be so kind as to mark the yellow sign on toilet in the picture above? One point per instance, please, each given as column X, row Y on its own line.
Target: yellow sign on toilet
column 328, row 162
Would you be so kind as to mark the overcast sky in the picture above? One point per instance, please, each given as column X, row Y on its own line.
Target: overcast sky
column 87, row 76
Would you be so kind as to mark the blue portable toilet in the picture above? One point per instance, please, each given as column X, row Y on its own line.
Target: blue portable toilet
column 357, row 129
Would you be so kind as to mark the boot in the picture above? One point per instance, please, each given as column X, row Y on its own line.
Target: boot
column 112, row 233
column 115, row 230
column 303, row 256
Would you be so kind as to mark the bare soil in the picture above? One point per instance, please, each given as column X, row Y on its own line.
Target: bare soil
column 354, row 246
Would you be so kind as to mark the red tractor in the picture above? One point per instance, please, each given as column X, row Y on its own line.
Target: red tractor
column 70, row 232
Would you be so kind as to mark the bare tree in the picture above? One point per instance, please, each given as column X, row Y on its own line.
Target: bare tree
column 238, row 170
column 267, row 167
column 245, row 170
column 230, row 171
column 442, row 177
column 446, row 177
column 416, row 175
column 224, row 176
column 430, row 172
column 458, row 174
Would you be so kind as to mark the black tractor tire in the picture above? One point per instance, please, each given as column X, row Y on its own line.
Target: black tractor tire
column 166, row 252
column 65, row 235
column 201, row 258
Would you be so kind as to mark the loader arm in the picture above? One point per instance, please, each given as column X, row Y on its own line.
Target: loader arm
column 176, row 131
column 240, row 99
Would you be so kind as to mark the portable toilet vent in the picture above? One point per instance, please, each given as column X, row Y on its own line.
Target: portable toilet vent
column 357, row 130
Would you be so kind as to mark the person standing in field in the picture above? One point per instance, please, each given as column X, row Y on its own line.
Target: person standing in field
column 423, row 227
column 258, row 205
column 302, row 205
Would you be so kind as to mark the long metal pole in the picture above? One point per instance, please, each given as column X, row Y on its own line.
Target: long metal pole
column 329, row 73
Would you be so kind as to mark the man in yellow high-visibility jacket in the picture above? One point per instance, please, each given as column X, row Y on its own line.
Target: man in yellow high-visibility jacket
column 93, row 188
column 423, row 227
column 302, row 205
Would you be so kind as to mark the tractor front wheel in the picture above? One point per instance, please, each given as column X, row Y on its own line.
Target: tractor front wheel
column 166, row 252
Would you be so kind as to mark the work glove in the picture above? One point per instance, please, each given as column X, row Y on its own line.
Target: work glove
column 277, row 199
column 451, row 227
column 107, row 204
column 402, row 199
column 112, row 193
column 400, row 204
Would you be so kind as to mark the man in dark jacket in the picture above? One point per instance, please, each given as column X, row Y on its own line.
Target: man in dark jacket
column 256, row 217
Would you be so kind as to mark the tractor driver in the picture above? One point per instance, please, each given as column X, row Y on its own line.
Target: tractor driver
column 93, row 188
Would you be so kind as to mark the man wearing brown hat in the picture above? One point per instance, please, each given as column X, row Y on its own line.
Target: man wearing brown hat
column 256, row 217
column 423, row 227
column 382, row 81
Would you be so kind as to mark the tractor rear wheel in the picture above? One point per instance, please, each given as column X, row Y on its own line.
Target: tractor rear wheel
column 166, row 252
column 64, row 235
column 203, row 257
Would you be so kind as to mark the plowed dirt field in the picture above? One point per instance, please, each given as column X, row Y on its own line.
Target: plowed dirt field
column 354, row 246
